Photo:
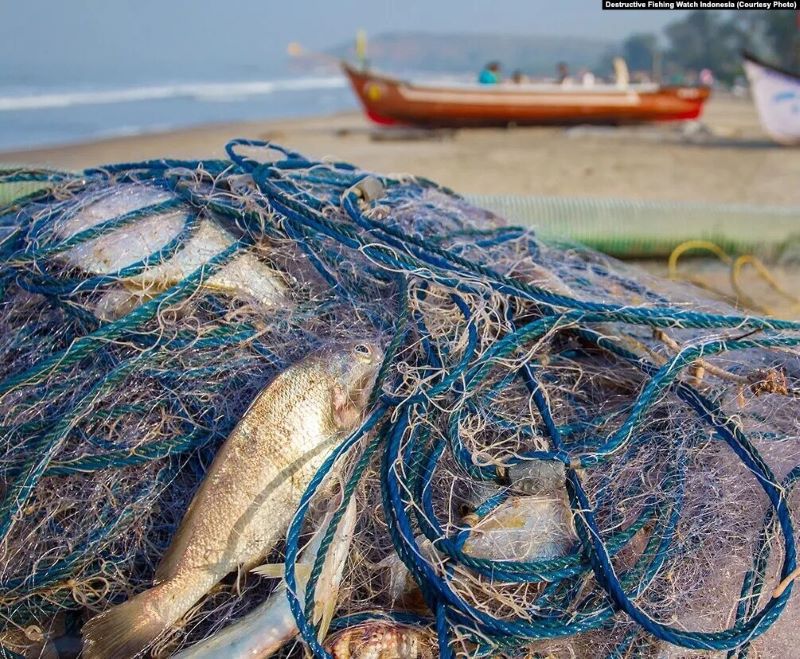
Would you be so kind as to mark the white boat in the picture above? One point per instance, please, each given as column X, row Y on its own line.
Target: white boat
column 776, row 93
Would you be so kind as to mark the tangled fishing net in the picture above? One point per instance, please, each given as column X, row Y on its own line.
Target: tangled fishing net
column 563, row 456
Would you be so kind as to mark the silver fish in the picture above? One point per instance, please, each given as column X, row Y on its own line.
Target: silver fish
column 243, row 276
column 265, row 629
column 535, row 524
column 250, row 493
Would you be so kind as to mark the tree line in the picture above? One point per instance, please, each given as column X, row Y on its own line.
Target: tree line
column 714, row 40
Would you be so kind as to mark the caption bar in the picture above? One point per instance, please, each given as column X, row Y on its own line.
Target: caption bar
column 700, row 4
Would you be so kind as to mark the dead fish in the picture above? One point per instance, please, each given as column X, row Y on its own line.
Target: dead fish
column 243, row 276
column 378, row 639
column 532, row 525
column 522, row 529
column 249, row 494
column 265, row 629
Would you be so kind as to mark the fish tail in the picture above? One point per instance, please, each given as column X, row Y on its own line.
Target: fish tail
column 124, row 631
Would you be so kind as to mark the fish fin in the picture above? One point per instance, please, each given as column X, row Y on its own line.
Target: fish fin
column 327, row 598
column 124, row 631
column 325, row 617
column 276, row 570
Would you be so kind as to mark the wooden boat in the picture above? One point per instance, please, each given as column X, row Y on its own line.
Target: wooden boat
column 776, row 93
column 388, row 100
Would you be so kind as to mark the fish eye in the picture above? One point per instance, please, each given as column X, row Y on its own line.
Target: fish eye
column 363, row 349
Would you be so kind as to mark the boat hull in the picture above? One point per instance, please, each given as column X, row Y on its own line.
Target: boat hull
column 388, row 100
column 776, row 94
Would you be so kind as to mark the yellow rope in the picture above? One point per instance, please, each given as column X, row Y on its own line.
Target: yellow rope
column 704, row 245
column 688, row 245
column 767, row 276
column 736, row 267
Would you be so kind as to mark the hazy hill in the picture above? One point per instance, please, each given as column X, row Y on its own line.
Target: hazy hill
column 461, row 53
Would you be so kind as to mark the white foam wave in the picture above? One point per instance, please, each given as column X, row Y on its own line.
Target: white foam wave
column 222, row 91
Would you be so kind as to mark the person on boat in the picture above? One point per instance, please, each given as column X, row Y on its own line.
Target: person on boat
column 490, row 75
column 562, row 74
column 519, row 78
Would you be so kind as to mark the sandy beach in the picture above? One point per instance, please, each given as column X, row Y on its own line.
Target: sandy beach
column 725, row 158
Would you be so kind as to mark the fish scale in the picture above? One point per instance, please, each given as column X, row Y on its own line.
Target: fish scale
column 244, row 276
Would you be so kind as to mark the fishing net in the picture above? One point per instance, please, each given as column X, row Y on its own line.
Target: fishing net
column 563, row 456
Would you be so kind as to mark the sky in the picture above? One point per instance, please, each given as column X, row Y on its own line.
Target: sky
column 51, row 42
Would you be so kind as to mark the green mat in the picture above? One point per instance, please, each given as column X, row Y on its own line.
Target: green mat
column 621, row 227
column 647, row 229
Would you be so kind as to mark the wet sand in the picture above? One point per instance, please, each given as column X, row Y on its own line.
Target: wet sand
column 726, row 158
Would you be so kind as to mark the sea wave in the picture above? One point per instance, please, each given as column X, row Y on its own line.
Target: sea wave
column 205, row 91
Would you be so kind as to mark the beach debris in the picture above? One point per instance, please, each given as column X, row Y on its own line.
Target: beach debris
column 265, row 629
column 249, row 494
column 381, row 639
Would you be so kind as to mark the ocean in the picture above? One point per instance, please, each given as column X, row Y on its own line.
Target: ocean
column 86, row 69
column 31, row 117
